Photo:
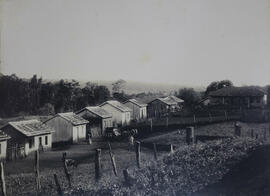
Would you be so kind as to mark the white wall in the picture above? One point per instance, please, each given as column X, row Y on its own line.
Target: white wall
column 117, row 115
column 3, row 152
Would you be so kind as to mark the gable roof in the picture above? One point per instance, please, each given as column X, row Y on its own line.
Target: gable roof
column 170, row 100
column 238, row 92
column 30, row 127
column 98, row 111
column 3, row 136
column 70, row 117
column 134, row 101
column 117, row 105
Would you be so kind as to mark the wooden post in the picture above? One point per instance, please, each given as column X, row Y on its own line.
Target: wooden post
column 226, row 117
column 98, row 165
column 194, row 118
column 66, row 169
column 151, row 124
column 58, row 187
column 252, row 133
column 190, row 135
column 155, row 150
column 237, row 130
column 167, row 122
column 89, row 139
column 138, row 153
column 171, row 148
column 112, row 159
column 126, row 177
column 3, row 182
column 38, row 186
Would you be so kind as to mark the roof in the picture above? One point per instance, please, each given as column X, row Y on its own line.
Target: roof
column 3, row 136
column 170, row 100
column 98, row 111
column 30, row 127
column 238, row 92
column 117, row 105
column 71, row 117
column 134, row 101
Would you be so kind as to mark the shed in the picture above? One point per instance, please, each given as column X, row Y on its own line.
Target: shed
column 99, row 119
column 138, row 109
column 69, row 127
column 120, row 112
column 27, row 136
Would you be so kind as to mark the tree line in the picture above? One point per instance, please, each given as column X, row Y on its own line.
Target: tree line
column 35, row 96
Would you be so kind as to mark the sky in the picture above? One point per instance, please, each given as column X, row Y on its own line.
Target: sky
column 185, row 42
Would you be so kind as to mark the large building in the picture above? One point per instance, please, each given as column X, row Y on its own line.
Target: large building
column 69, row 127
column 161, row 107
column 99, row 119
column 120, row 112
column 138, row 109
column 239, row 97
column 27, row 136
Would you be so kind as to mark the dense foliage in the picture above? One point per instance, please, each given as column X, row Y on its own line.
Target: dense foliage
column 37, row 97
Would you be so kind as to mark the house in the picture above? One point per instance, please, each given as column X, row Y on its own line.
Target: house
column 239, row 97
column 138, row 109
column 120, row 112
column 27, row 136
column 3, row 145
column 69, row 128
column 163, row 106
column 99, row 119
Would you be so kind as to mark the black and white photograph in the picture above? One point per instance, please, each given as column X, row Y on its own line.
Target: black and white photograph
column 135, row 97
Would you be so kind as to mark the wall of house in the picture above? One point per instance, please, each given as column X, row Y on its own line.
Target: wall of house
column 156, row 109
column 138, row 112
column 63, row 129
column 3, row 149
column 36, row 143
column 78, row 133
column 117, row 116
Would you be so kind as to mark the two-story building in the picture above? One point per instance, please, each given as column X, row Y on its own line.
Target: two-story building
column 99, row 119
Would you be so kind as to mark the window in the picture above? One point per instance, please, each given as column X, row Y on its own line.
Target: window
column 46, row 140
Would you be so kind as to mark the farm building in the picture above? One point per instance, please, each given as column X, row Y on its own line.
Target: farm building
column 3, row 145
column 27, row 136
column 239, row 97
column 99, row 119
column 138, row 109
column 120, row 112
column 163, row 106
column 69, row 127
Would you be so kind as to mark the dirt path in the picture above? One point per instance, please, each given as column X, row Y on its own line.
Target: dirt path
column 251, row 177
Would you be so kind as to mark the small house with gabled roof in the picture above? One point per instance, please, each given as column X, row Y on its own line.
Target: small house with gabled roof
column 3, row 145
column 120, row 112
column 163, row 106
column 27, row 136
column 138, row 109
column 99, row 119
column 69, row 128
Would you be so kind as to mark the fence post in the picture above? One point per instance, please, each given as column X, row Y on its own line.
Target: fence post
column 38, row 186
column 98, row 164
column 151, row 124
column 167, row 122
column 66, row 169
column 112, row 160
column 252, row 133
column 155, row 150
column 237, row 130
column 171, row 149
column 126, row 177
column 58, row 187
column 226, row 117
column 3, row 182
column 138, row 153
column 190, row 135
column 194, row 118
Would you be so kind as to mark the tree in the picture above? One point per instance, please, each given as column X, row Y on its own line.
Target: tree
column 189, row 95
column 213, row 86
column 118, row 85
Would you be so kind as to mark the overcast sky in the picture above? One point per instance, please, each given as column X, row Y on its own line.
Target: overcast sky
column 190, row 42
